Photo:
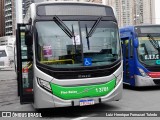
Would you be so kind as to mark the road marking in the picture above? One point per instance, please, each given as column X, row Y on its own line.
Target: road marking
column 81, row 118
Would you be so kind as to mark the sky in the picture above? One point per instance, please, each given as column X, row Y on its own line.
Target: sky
column 157, row 8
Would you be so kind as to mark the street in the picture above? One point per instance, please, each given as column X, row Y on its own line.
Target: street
column 139, row 99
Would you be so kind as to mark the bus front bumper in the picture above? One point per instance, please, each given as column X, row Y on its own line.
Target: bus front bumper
column 115, row 95
column 146, row 81
column 51, row 101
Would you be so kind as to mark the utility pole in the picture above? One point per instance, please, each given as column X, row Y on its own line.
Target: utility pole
column 19, row 13
column 135, row 13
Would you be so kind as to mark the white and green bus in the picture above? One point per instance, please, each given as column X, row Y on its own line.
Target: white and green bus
column 69, row 54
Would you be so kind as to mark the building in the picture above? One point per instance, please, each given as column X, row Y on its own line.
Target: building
column 9, row 13
column 2, row 21
column 7, row 40
column 138, row 12
column 133, row 12
column 19, row 11
column 149, row 12
column 26, row 4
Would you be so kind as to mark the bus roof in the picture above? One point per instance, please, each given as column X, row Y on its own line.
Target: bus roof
column 148, row 25
column 69, row 2
column 131, row 27
column 45, row 9
column 127, row 28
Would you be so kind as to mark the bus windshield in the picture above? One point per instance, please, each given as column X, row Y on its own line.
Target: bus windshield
column 68, row 44
column 149, row 49
column 2, row 53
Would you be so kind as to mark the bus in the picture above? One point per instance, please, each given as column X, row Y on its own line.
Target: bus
column 68, row 54
column 6, row 57
column 141, row 51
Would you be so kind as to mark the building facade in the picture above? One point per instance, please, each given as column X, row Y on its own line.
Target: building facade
column 134, row 12
column 9, row 13
column 2, row 21
column 149, row 12
column 26, row 4
column 7, row 40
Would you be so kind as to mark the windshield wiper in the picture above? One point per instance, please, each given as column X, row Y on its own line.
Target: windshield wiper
column 92, row 31
column 60, row 23
column 74, row 39
column 70, row 33
column 87, row 38
column 153, row 42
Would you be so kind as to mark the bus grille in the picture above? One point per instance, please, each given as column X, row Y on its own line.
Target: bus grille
column 157, row 81
column 1, row 63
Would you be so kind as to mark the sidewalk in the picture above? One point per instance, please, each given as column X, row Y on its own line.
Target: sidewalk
column 7, row 74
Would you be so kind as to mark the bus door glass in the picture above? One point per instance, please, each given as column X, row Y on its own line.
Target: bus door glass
column 127, row 48
column 24, row 67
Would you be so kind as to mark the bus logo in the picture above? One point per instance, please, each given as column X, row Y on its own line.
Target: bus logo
column 6, row 114
column 158, row 62
column 84, row 76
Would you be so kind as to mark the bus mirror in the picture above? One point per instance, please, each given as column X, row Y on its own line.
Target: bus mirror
column 28, row 37
column 136, row 43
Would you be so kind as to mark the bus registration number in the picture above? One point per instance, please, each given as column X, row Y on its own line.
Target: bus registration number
column 86, row 102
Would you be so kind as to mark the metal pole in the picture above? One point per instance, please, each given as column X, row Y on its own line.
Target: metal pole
column 135, row 17
column 19, row 13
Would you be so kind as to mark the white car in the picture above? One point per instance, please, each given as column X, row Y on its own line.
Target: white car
column 6, row 57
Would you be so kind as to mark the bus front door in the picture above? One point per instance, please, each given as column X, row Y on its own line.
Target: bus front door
column 128, row 61
column 24, row 67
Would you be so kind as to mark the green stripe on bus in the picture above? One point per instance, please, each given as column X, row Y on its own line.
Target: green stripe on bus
column 78, row 92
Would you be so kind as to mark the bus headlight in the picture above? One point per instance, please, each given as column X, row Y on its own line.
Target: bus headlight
column 142, row 72
column 44, row 84
column 118, row 78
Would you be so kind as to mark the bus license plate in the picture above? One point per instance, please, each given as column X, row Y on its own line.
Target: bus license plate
column 86, row 102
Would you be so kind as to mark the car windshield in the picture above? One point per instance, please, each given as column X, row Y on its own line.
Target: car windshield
column 149, row 49
column 71, row 44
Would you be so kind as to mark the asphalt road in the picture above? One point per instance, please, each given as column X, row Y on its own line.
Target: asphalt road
column 139, row 99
